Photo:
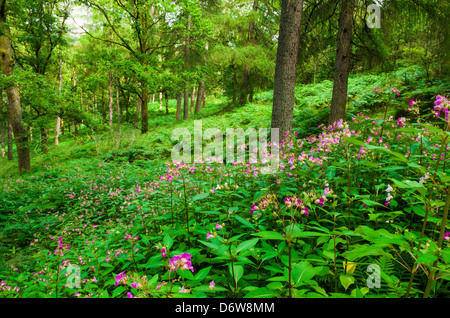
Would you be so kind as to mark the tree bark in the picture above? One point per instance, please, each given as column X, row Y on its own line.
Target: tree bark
column 2, row 129
column 10, row 140
column 12, row 94
column 58, row 119
column 342, row 64
column 118, row 109
column 110, row 104
column 144, row 112
column 286, row 66
column 186, row 66
column 198, row 103
column 138, row 110
column 245, row 87
column 179, row 99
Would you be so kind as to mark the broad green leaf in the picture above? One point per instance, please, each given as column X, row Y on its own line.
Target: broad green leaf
column 202, row 273
column 168, row 241
column 346, row 280
column 302, row 272
column 262, row 292
column 246, row 245
column 270, row 235
column 237, row 271
column 200, row 196
column 244, row 222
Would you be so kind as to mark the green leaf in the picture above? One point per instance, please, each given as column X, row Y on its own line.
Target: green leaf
column 270, row 235
column 200, row 196
column 168, row 241
column 118, row 291
column 262, row 292
column 346, row 280
column 238, row 271
column 302, row 272
column 202, row 273
column 359, row 251
column 244, row 222
column 246, row 245
column 428, row 257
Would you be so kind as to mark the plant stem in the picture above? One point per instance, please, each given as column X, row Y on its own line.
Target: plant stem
column 440, row 240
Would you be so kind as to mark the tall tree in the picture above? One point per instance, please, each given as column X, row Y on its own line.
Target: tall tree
column 286, row 66
column 12, row 93
column 342, row 63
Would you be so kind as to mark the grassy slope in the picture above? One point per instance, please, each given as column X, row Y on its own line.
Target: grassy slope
column 311, row 109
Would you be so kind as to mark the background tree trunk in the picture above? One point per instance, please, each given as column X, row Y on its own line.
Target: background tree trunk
column 245, row 88
column 12, row 94
column 342, row 64
column 144, row 112
column 118, row 109
column 186, row 66
column 10, row 140
column 58, row 119
column 286, row 66
column 179, row 99
column 110, row 108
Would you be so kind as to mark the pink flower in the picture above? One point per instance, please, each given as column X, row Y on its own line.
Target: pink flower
column 447, row 236
column 182, row 262
column 208, row 236
column 218, row 226
column 119, row 278
column 163, row 252
column 130, row 295
column 212, row 284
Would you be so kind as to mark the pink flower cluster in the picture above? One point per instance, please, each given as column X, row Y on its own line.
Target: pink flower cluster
column 441, row 104
column 293, row 202
column 182, row 261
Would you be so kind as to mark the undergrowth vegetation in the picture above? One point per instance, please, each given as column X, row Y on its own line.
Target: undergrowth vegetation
column 355, row 209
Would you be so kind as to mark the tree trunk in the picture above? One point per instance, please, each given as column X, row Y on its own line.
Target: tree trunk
column 245, row 87
column 192, row 98
column 2, row 132
column 179, row 99
column 198, row 103
column 12, row 94
column 118, row 109
column 286, row 66
column 342, row 64
column 138, row 110
column 186, row 66
column 160, row 100
column 44, row 136
column 166, row 99
column 110, row 112
column 10, row 140
column 144, row 112
column 58, row 119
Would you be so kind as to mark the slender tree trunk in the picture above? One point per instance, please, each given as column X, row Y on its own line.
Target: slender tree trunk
column 2, row 129
column 12, row 94
column 10, row 140
column 166, row 99
column 144, row 112
column 198, row 103
column 286, row 66
column 245, row 87
column 58, row 119
column 44, row 137
column 186, row 66
column 138, row 110
column 118, row 109
column 192, row 99
column 160, row 100
column 342, row 64
column 179, row 100
column 110, row 88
